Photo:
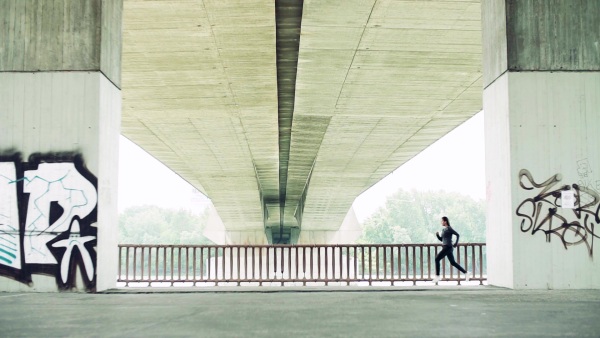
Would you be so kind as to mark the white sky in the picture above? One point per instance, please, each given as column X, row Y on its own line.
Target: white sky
column 456, row 163
column 145, row 180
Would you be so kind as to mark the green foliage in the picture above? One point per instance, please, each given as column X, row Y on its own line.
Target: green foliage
column 155, row 225
column 414, row 217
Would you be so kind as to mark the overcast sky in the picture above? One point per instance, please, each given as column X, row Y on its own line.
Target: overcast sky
column 453, row 163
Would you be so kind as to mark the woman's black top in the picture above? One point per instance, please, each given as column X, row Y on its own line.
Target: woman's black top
column 446, row 237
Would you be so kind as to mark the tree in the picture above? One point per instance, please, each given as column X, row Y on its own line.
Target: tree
column 156, row 225
column 414, row 217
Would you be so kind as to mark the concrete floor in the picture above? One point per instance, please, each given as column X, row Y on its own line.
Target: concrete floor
column 303, row 312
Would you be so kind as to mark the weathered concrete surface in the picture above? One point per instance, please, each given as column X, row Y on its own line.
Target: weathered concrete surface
column 539, row 35
column 61, row 35
column 365, row 312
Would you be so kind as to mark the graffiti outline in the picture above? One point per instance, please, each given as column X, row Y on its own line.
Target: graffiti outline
column 579, row 231
column 54, row 224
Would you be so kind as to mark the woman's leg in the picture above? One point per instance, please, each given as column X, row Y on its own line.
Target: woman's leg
column 441, row 256
column 453, row 263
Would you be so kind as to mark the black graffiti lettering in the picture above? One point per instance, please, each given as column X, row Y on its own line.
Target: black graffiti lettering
column 540, row 213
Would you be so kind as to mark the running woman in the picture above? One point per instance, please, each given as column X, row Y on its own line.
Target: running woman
column 446, row 239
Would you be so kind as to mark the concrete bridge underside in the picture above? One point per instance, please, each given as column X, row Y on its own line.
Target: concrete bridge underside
column 283, row 112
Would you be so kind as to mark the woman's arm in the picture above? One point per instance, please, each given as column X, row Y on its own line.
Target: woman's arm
column 437, row 234
column 457, row 237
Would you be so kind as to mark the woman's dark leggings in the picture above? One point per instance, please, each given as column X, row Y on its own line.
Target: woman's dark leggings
column 446, row 252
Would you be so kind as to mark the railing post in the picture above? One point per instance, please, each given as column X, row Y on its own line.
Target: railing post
column 326, row 265
column 341, row 264
column 393, row 276
column 362, row 257
column 428, row 262
column 399, row 262
column 260, row 277
column 347, row 265
column 134, row 261
column 458, row 260
column 407, row 263
column 473, row 259
column 187, row 264
column 208, row 262
column 356, row 263
column 377, row 262
column 142, row 261
column 119, row 273
column 297, row 262
column 282, row 264
column 414, row 252
column 267, row 263
column 127, row 266
column 332, row 263
column 422, row 266
column 443, row 268
column 304, row 265
column 481, row 264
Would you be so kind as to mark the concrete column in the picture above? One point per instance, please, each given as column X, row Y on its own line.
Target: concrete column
column 215, row 231
column 542, row 117
column 348, row 232
column 60, row 110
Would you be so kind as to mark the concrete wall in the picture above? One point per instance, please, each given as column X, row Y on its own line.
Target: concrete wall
column 109, row 129
column 539, row 35
column 60, row 133
column 39, row 35
column 554, row 122
column 498, row 183
column 553, row 35
column 543, row 126
column 60, row 106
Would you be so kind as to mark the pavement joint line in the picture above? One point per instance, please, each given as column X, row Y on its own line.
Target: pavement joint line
column 296, row 290
column 7, row 295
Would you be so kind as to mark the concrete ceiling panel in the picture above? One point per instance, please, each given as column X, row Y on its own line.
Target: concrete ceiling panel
column 412, row 60
column 200, row 77
column 377, row 82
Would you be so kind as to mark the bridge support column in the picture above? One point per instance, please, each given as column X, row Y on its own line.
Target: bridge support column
column 542, row 116
column 60, row 110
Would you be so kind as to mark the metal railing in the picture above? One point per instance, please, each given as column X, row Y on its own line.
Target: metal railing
column 296, row 264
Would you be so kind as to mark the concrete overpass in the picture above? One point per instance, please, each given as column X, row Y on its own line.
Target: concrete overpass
column 283, row 112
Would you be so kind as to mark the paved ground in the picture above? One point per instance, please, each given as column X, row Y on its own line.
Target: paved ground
column 303, row 312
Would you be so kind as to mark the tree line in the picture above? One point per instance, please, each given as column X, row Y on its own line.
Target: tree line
column 155, row 225
column 414, row 217
column 406, row 217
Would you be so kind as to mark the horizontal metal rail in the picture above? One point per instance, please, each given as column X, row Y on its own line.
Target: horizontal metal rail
column 296, row 264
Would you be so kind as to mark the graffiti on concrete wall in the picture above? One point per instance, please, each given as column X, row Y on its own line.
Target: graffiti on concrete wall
column 543, row 213
column 48, row 211
column 586, row 176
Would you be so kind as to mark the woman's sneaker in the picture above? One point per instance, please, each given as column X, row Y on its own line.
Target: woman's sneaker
column 467, row 276
column 435, row 280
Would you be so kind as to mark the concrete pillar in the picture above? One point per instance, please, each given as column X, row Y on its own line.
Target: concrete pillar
column 348, row 232
column 542, row 117
column 215, row 231
column 60, row 110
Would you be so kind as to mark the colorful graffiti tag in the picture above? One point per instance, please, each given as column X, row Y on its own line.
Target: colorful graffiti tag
column 540, row 213
column 48, row 213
